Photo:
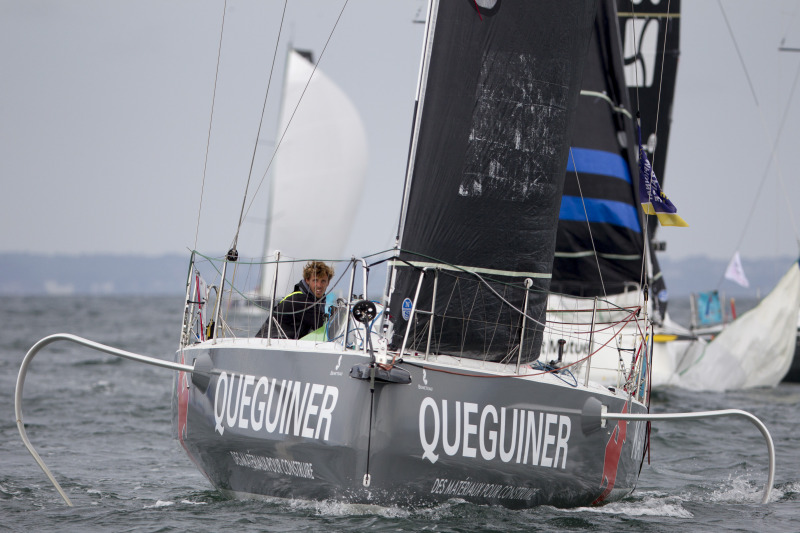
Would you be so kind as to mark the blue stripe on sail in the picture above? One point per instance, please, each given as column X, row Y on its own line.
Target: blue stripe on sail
column 603, row 211
column 598, row 162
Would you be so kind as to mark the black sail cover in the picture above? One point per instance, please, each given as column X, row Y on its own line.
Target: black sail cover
column 601, row 185
column 499, row 88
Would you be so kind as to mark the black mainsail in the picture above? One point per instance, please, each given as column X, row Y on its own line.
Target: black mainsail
column 490, row 145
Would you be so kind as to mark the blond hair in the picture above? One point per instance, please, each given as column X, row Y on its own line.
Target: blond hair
column 317, row 269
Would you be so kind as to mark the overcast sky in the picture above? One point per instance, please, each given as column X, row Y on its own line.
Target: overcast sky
column 106, row 107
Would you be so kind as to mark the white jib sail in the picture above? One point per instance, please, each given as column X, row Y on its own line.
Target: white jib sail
column 757, row 348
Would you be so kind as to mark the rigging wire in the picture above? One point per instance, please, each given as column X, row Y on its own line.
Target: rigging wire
column 210, row 122
column 644, row 220
column 660, row 87
column 588, row 225
column 258, row 134
column 774, row 151
column 772, row 156
column 739, row 53
column 645, row 253
column 646, row 244
column 288, row 124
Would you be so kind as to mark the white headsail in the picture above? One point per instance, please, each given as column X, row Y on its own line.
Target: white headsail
column 318, row 173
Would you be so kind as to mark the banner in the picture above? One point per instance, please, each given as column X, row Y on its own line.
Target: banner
column 654, row 201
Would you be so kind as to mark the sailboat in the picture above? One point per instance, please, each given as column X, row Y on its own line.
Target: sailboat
column 793, row 375
column 441, row 400
column 756, row 349
column 605, row 261
column 606, row 249
column 436, row 391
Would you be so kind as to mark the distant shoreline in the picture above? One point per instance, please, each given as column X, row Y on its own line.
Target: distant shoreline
column 107, row 274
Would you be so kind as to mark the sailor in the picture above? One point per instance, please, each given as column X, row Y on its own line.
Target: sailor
column 302, row 311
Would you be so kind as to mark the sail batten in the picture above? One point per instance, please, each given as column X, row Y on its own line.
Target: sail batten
column 462, row 268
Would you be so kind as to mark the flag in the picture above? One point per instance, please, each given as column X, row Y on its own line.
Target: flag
column 654, row 201
column 735, row 272
column 709, row 309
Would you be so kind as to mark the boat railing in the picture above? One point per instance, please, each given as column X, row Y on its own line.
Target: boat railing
column 422, row 273
column 232, row 308
column 599, row 339
column 590, row 338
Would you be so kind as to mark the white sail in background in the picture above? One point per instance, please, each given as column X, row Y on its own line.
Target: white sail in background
column 756, row 349
column 318, row 173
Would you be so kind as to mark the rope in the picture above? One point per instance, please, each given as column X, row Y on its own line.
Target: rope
column 210, row 122
column 772, row 156
column 288, row 124
column 738, row 52
column 588, row 225
column 774, row 150
column 258, row 134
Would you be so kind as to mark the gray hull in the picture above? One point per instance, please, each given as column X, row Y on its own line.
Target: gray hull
column 293, row 423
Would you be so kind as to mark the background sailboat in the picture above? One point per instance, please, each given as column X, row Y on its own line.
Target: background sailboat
column 604, row 248
column 754, row 350
column 318, row 174
column 757, row 348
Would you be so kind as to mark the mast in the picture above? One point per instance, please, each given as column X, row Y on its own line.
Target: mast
column 430, row 24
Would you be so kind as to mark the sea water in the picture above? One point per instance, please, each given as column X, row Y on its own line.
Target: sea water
column 102, row 425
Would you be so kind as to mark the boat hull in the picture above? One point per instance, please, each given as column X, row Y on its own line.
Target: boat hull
column 793, row 376
column 292, row 423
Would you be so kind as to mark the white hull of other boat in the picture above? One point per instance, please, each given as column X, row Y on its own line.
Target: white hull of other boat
column 755, row 350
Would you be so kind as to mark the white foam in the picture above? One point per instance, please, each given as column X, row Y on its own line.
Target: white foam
column 187, row 502
column 741, row 489
column 648, row 505
column 159, row 503
column 333, row 508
